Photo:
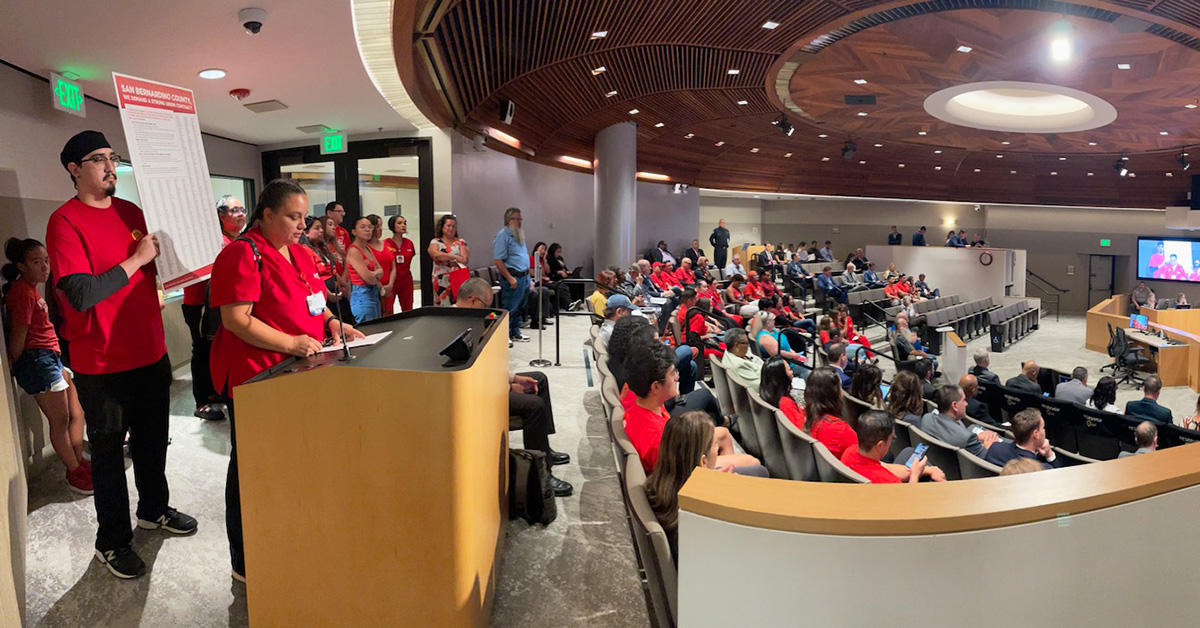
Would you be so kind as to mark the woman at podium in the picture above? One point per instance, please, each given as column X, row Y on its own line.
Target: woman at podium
column 272, row 304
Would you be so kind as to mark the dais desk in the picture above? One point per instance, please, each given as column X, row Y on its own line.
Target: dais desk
column 1178, row 365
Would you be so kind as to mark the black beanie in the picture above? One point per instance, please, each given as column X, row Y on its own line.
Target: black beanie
column 80, row 145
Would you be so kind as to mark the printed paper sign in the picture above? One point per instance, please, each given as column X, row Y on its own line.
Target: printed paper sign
column 163, row 135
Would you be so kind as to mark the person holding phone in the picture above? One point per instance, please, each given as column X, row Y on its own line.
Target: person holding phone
column 875, row 431
column 272, row 305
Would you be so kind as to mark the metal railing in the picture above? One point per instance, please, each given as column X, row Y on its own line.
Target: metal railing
column 1053, row 294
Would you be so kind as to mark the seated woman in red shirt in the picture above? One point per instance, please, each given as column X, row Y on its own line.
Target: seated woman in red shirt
column 272, row 307
column 735, row 295
column 823, row 409
column 841, row 317
column 653, row 380
column 776, row 389
column 36, row 360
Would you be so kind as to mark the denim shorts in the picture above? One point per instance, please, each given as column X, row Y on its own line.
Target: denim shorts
column 39, row 371
column 364, row 303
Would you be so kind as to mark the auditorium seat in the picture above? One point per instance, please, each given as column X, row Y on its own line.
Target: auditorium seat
column 941, row 454
column 1070, row 459
column 721, row 387
column 610, row 395
column 973, row 467
column 763, row 416
column 741, row 406
column 902, row 440
column 798, row 452
column 1060, row 417
column 830, row 469
column 653, row 547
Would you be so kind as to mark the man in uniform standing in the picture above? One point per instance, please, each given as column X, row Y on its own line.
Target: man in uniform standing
column 719, row 239
column 103, row 260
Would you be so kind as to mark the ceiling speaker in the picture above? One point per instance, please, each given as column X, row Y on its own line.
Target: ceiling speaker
column 507, row 110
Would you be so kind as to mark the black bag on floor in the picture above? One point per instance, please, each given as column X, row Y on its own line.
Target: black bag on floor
column 530, row 496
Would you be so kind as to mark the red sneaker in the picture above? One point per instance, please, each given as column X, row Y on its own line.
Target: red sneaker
column 80, row 480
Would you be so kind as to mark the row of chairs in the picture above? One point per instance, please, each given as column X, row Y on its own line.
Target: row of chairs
column 656, row 568
column 1076, row 429
column 968, row 319
column 1012, row 323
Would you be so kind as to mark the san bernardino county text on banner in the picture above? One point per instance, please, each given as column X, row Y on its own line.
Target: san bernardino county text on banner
column 163, row 135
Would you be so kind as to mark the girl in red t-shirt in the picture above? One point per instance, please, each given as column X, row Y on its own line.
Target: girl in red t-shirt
column 822, row 405
column 402, row 251
column 775, row 388
column 36, row 360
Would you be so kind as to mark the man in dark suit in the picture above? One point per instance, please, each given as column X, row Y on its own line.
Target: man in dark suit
column 924, row 371
column 895, row 238
column 694, row 253
column 1029, row 430
column 1147, row 407
column 976, row 409
column 983, row 359
column 918, row 238
column 947, row 423
column 826, row 283
column 838, row 360
column 1026, row 381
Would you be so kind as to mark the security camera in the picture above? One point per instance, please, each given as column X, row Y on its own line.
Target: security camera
column 252, row 20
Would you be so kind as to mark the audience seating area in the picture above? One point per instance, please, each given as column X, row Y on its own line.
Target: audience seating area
column 969, row 319
column 1012, row 323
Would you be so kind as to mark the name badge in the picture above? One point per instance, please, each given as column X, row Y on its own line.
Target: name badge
column 400, row 258
column 316, row 303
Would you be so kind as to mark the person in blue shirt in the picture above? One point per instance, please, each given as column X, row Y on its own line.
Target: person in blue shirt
column 511, row 257
column 918, row 238
column 872, row 278
column 795, row 270
column 825, row 282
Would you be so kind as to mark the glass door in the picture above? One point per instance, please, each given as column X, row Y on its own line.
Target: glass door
column 390, row 187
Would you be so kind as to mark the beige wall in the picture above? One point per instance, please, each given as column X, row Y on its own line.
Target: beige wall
column 13, row 503
column 743, row 218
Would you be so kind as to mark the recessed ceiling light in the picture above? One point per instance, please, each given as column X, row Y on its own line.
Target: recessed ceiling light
column 734, row 71
column 633, row 112
column 787, row 154
column 575, row 161
column 720, row 143
column 999, row 156
column 964, row 49
column 769, row 25
column 653, row 175
column 862, row 161
column 1012, row 172
column 743, row 102
column 922, row 133
column 860, row 81
column 1191, row 105
column 977, row 170
column 1006, row 143
column 862, row 114
column 1123, row 66
column 611, row 94
column 1090, row 174
column 1091, row 143
column 659, row 125
column 1170, row 174
column 822, row 136
column 901, row 165
column 824, row 159
column 1133, row 174
column 689, row 136
column 212, row 73
column 1062, row 158
column 599, row 70
column 757, row 196
column 879, row 146
column 1053, row 174
column 937, row 152
column 599, row 34
column 754, row 150
column 937, row 167
column 1060, row 49
column 1163, row 133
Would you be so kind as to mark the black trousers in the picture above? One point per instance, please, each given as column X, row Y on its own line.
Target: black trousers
column 202, row 387
column 537, row 415
column 719, row 255
column 138, row 402
column 700, row 399
column 233, row 499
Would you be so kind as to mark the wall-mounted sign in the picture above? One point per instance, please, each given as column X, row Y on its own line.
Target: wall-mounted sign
column 333, row 143
column 67, row 95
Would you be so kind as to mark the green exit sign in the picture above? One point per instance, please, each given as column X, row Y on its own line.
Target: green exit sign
column 1105, row 242
column 334, row 143
column 67, row 95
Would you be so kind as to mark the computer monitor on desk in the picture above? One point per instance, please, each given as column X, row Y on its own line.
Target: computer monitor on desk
column 1139, row 321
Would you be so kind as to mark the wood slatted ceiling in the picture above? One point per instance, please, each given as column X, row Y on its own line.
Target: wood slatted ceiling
column 668, row 58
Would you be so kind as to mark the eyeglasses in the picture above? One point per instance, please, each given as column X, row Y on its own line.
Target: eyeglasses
column 236, row 211
column 99, row 160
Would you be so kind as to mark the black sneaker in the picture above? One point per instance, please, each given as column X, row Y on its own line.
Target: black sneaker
column 211, row 412
column 123, row 562
column 172, row 521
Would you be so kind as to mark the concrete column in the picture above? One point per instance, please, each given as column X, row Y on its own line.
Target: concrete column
column 615, row 168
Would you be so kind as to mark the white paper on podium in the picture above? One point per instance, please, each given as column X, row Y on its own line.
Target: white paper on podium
column 162, row 132
column 362, row 342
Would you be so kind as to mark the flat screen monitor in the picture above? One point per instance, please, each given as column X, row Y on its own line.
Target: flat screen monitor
column 1168, row 259
column 1139, row 321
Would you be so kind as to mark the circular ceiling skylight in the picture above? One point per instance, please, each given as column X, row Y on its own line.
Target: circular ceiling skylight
column 1020, row 107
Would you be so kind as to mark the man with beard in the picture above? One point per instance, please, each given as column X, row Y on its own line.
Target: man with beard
column 103, row 259
column 511, row 257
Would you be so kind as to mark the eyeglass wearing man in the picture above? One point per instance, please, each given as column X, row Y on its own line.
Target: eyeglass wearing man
column 103, row 257
column 511, row 257
column 231, row 216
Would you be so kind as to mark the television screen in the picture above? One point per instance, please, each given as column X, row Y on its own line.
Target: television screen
column 1168, row 259
column 1138, row 321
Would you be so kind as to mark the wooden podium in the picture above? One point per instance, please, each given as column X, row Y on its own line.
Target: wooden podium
column 374, row 491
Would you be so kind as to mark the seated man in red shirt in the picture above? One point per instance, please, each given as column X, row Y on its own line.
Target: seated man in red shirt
column 767, row 284
column 652, row 378
column 669, row 274
column 1172, row 270
column 685, row 275
column 875, row 430
column 893, row 289
column 753, row 288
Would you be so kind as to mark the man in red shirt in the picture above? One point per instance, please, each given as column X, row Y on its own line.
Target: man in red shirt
column 334, row 210
column 753, row 290
column 231, row 215
column 1172, row 270
column 875, row 430
column 102, row 257
column 652, row 378
column 685, row 275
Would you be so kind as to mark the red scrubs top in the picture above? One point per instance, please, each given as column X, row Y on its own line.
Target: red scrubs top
column 279, row 296
column 402, row 254
column 124, row 331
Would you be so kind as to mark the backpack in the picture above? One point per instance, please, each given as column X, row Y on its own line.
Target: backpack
column 529, row 494
column 210, row 320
